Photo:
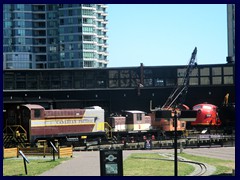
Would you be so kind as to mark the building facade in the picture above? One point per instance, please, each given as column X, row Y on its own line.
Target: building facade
column 44, row 36
column 231, row 32
column 117, row 89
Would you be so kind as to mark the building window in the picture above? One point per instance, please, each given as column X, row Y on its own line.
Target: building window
column 228, row 70
column 158, row 82
column 194, row 72
column 7, row 24
column 71, row 38
column 62, row 55
column 216, row 71
column 88, row 29
column 135, row 82
column 204, row 72
column 88, row 38
column 88, row 55
column 87, row 12
column 88, row 64
column 148, row 82
column 228, row 80
column 181, row 72
column 193, row 81
column 113, row 74
column 71, row 55
column 170, row 82
column 6, row 15
column 113, row 83
column 205, row 81
column 53, row 49
column 20, row 85
column 180, row 81
column 148, row 73
column 125, row 82
column 20, row 7
column 216, row 80
column 124, row 74
column 87, row 21
column 32, row 85
column 88, row 46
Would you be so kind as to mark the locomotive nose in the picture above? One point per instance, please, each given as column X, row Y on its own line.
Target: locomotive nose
column 208, row 115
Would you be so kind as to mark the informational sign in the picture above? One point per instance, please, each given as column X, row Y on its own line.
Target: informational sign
column 164, row 114
column 188, row 115
column 111, row 163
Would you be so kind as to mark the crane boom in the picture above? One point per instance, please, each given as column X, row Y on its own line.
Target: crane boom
column 182, row 88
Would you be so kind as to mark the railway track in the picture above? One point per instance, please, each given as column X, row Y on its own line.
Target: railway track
column 205, row 141
column 200, row 168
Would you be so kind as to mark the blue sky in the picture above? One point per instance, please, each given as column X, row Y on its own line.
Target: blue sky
column 166, row 34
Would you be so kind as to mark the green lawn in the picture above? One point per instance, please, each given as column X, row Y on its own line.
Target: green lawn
column 137, row 164
column 153, row 165
column 15, row 167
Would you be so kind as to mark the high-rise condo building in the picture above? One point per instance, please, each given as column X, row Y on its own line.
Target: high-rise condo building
column 231, row 32
column 42, row 36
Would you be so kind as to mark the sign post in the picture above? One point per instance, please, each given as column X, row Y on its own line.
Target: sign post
column 24, row 161
column 54, row 150
column 111, row 162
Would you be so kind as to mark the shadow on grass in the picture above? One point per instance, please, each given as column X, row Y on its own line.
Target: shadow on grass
column 223, row 174
column 16, row 175
column 46, row 161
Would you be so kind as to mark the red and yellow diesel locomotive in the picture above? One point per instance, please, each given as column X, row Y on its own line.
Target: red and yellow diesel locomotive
column 33, row 122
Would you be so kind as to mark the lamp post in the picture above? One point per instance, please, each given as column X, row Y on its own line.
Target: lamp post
column 174, row 114
column 175, row 144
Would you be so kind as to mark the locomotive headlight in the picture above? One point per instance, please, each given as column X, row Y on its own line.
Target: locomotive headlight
column 208, row 115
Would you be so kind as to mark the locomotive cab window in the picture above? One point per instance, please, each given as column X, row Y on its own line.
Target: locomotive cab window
column 37, row 113
column 183, row 125
column 139, row 117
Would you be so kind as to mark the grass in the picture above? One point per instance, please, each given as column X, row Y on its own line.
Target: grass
column 15, row 167
column 137, row 164
column 153, row 165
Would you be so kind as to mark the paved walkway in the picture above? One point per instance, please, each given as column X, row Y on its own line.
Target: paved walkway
column 87, row 163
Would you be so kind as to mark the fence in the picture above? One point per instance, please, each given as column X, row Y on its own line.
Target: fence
column 42, row 151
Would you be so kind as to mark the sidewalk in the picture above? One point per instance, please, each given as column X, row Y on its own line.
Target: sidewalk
column 87, row 163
